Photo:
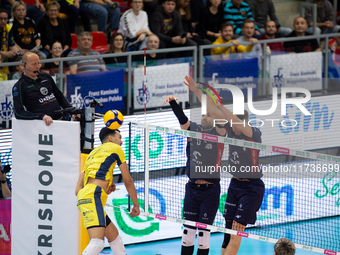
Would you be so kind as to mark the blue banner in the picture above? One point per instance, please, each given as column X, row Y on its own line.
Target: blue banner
column 242, row 73
column 106, row 87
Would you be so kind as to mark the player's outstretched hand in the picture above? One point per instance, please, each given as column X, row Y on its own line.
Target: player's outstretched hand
column 135, row 211
column 168, row 99
column 193, row 86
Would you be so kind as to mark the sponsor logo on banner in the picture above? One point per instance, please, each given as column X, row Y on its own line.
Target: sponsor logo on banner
column 142, row 95
column 280, row 150
column 302, row 70
column 242, row 234
column 6, row 111
column 163, row 80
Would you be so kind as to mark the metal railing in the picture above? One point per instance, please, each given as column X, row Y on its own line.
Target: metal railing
column 129, row 68
column 263, row 84
column 197, row 63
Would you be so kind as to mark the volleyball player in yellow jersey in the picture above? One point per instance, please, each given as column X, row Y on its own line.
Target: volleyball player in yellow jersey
column 95, row 183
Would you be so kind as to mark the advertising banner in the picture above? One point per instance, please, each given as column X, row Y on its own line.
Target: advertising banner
column 285, row 200
column 106, row 87
column 45, row 172
column 161, row 81
column 5, row 226
column 6, row 102
column 242, row 73
column 303, row 70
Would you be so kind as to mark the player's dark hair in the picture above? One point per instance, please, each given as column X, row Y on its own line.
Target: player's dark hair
column 3, row 10
column 226, row 24
column 105, row 132
column 244, row 116
column 248, row 21
column 284, row 246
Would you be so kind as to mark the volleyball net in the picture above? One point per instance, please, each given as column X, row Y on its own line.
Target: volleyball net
column 301, row 200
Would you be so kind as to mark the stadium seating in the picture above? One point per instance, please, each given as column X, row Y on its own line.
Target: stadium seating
column 74, row 38
column 99, row 42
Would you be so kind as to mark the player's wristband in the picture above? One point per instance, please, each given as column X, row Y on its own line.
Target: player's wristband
column 178, row 111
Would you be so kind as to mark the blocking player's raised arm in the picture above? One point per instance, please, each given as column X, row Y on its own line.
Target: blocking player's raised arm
column 241, row 125
column 211, row 106
column 178, row 111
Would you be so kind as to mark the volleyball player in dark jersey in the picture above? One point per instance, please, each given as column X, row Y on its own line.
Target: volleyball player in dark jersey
column 202, row 192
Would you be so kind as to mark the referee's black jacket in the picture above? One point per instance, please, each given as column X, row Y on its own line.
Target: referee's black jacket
column 33, row 99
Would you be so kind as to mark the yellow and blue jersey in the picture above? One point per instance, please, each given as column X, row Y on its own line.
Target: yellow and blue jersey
column 102, row 160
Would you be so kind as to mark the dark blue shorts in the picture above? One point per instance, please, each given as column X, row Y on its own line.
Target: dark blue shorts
column 201, row 203
column 244, row 199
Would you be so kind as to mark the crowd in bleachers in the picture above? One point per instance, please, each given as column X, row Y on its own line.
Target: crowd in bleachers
column 48, row 29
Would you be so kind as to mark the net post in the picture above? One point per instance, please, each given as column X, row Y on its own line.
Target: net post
column 129, row 164
column 146, row 169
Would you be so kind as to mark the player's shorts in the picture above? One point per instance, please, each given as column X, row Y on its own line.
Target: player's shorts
column 91, row 202
column 244, row 199
column 201, row 202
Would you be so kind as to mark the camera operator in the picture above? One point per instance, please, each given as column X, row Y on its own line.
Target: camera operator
column 4, row 191
column 35, row 95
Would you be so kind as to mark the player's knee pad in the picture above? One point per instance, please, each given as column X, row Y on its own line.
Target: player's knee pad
column 94, row 247
column 226, row 240
column 203, row 239
column 188, row 237
column 117, row 246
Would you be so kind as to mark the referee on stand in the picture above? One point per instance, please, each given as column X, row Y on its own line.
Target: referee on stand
column 35, row 95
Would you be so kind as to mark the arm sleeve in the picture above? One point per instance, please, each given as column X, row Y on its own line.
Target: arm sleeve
column 125, row 26
column 18, row 106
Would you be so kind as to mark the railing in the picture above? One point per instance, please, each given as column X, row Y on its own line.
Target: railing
column 263, row 84
column 197, row 63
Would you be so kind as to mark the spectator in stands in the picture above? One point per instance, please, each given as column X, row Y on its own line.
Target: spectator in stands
column 116, row 46
column 324, row 19
column 307, row 45
column 150, row 6
column 102, row 10
column 151, row 44
column 211, row 19
column 56, row 52
column 52, row 29
column 334, row 45
column 270, row 31
column 19, row 71
column 261, row 9
column 236, row 12
column 166, row 24
column 134, row 26
column 248, row 31
column 227, row 33
column 25, row 31
column 183, row 8
column 9, row 49
column 284, row 246
column 35, row 9
column 4, row 182
column 74, row 9
column 85, row 41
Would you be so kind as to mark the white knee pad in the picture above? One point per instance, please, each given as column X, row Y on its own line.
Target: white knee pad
column 117, row 246
column 203, row 239
column 188, row 237
column 94, row 247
